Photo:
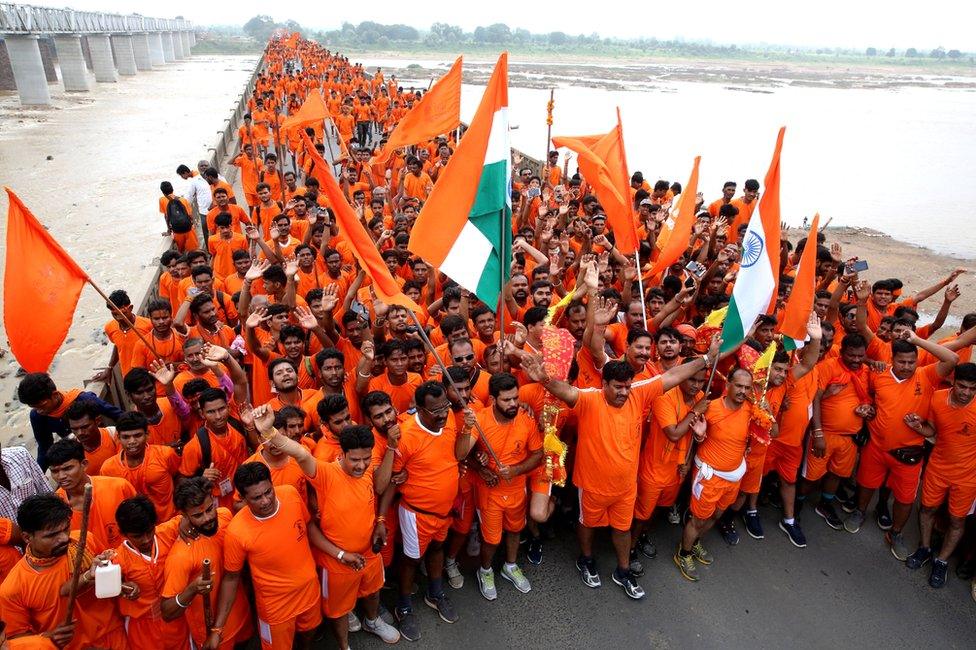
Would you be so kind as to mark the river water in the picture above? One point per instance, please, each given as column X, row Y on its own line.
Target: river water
column 98, row 194
column 898, row 160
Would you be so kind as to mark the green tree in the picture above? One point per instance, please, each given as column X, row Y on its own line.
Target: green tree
column 911, row 53
column 558, row 38
column 890, row 53
column 871, row 51
column 955, row 54
column 938, row 53
column 260, row 27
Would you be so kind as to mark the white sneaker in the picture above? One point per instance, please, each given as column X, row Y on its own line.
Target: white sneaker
column 474, row 541
column 486, row 583
column 382, row 629
column 514, row 574
column 454, row 577
column 354, row 624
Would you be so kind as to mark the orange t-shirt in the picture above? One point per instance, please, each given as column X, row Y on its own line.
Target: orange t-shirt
column 107, row 493
column 237, row 216
column 152, row 477
column 277, row 551
column 661, row 456
column 793, row 419
column 954, row 454
column 126, row 341
column 222, row 252
column 417, row 187
column 608, row 449
column 310, row 406
column 288, row 474
column 347, row 506
column 107, row 447
column 894, row 399
column 227, row 452
column 185, row 563
column 169, row 428
column 837, row 415
column 724, row 447
column 402, row 395
column 513, row 441
column 432, row 468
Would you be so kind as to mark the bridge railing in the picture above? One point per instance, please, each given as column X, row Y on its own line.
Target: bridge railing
column 19, row 18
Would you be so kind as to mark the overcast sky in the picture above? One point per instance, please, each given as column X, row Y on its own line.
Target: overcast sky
column 832, row 23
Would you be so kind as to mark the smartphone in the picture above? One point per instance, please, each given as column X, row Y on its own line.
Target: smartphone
column 534, row 192
column 695, row 269
column 859, row 266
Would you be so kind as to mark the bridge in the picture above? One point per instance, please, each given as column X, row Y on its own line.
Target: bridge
column 108, row 45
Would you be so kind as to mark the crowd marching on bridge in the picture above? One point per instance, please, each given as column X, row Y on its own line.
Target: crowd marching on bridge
column 321, row 406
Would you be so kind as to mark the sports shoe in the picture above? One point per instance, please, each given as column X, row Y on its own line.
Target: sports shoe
column 354, row 624
column 486, row 583
column 883, row 517
column 826, row 510
column 533, row 551
column 382, row 629
column 685, row 564
column 646, row 547
column 854, row 522
column 729, row 533
column 897, row 543
column 674, row 515
column 630, row 586
column 701, row 555
column 793, row 532
column 474, row 541
column 409, row 626
column 636, row 566
column 919, row 558
column 513, row 574
column 587, row 569
column 753, row 524
column 443, row 606
column 940, row 571
column 454, row 577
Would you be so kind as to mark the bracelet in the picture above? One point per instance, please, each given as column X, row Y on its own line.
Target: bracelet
column 339, row 556
column 818, row 430
column 364, row 376
column 178, row 603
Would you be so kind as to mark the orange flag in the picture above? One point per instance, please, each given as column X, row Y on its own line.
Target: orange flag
column 800, row 303
column 603, row 161
column 352, row 230
column 769, row 211
column 41, row 285
column 438, row 111
column 681, row 232
column 313, row 113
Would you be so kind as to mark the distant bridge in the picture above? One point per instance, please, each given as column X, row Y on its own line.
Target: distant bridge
column 110, row 45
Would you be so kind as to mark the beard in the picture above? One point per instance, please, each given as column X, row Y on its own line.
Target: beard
column 209, row 529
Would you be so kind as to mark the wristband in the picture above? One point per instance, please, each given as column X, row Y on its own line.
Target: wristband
column 178, row 603
column 339, row 556
column 364, row 376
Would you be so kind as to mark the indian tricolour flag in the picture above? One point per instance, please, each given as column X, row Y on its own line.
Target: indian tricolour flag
column 754, row 292
column 465, row 227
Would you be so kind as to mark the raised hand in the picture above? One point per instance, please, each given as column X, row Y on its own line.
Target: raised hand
column 215, row 353
column 163, row 372
column 258, row 267
column 605, row 311
column 257, row 317
column 952, row 292
column 534, row 369
column 291, row 266
column 862, row 290
column 306, row 320
column 814, row 328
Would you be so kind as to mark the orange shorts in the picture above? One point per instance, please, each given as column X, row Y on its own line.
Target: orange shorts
column 839, row 459
column 419, row 530
column 147, row 632
column 711, row 495
column 282, row 635
column 600, row 510
column 342, row 586
column 464, row 506
column 784, row 460
column 936, row 490
column 650, row 496
column 501, row 510
column 754, row 468
column 878, row 466
column 186, row 241
column 539, row 482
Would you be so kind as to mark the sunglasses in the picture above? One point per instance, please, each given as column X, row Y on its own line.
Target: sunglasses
column 469, row 357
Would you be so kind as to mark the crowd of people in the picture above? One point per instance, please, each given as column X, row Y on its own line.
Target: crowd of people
column 291, row 445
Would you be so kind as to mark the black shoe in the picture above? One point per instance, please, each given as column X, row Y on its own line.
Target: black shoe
column 534, row 551
column 753, row 524
column 794, row 533
column 646, row 547
column 636, row 566
column 883, row 517
column 587, row 568
column 826, row 510
column 409, row 626
column 919, row 558
column 630, row 586
column 940, row 571
column 848, row 504
column 728, row 531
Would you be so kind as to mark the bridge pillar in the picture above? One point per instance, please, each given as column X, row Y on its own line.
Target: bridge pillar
column 156, row 48
column 185, row 38
column 140, row 50
column 169, row 49
column 193, row 38
column 125, row 59
column 71, row 59
column 28, row 69
column 178, row 46
column 101, row 55
column 47, row 58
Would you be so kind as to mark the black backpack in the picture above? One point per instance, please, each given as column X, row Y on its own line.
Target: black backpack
column 206, row 448
column 177, row 217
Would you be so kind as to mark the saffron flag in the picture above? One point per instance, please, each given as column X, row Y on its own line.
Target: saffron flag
column 754, row 292
column 603, row 161
column 353, row 231
column 437, row 112
column 681, row 232
column 800, row 303
column 41, row 285
column 313, row 113
column 465, row 227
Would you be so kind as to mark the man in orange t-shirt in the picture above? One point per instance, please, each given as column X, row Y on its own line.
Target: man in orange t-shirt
column 222, row 245
column 728, row 191
column 119, row 330
column 98, row 442
column 148, row 468
column 68, row 465
column 270, row 534
column 141, row 556
column 608, row 454
column 415, row 183
column 723, row 437
column 31, row 597
column 202, row 528
column 745, row 204
column 429, row 450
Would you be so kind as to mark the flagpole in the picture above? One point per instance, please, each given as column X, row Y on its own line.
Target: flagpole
column 640, row 284
column 125, row 316
column 708, row 388
column 549, row 107
column 450, row 381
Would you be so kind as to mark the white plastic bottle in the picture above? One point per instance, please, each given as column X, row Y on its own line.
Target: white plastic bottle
column 108, row 580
